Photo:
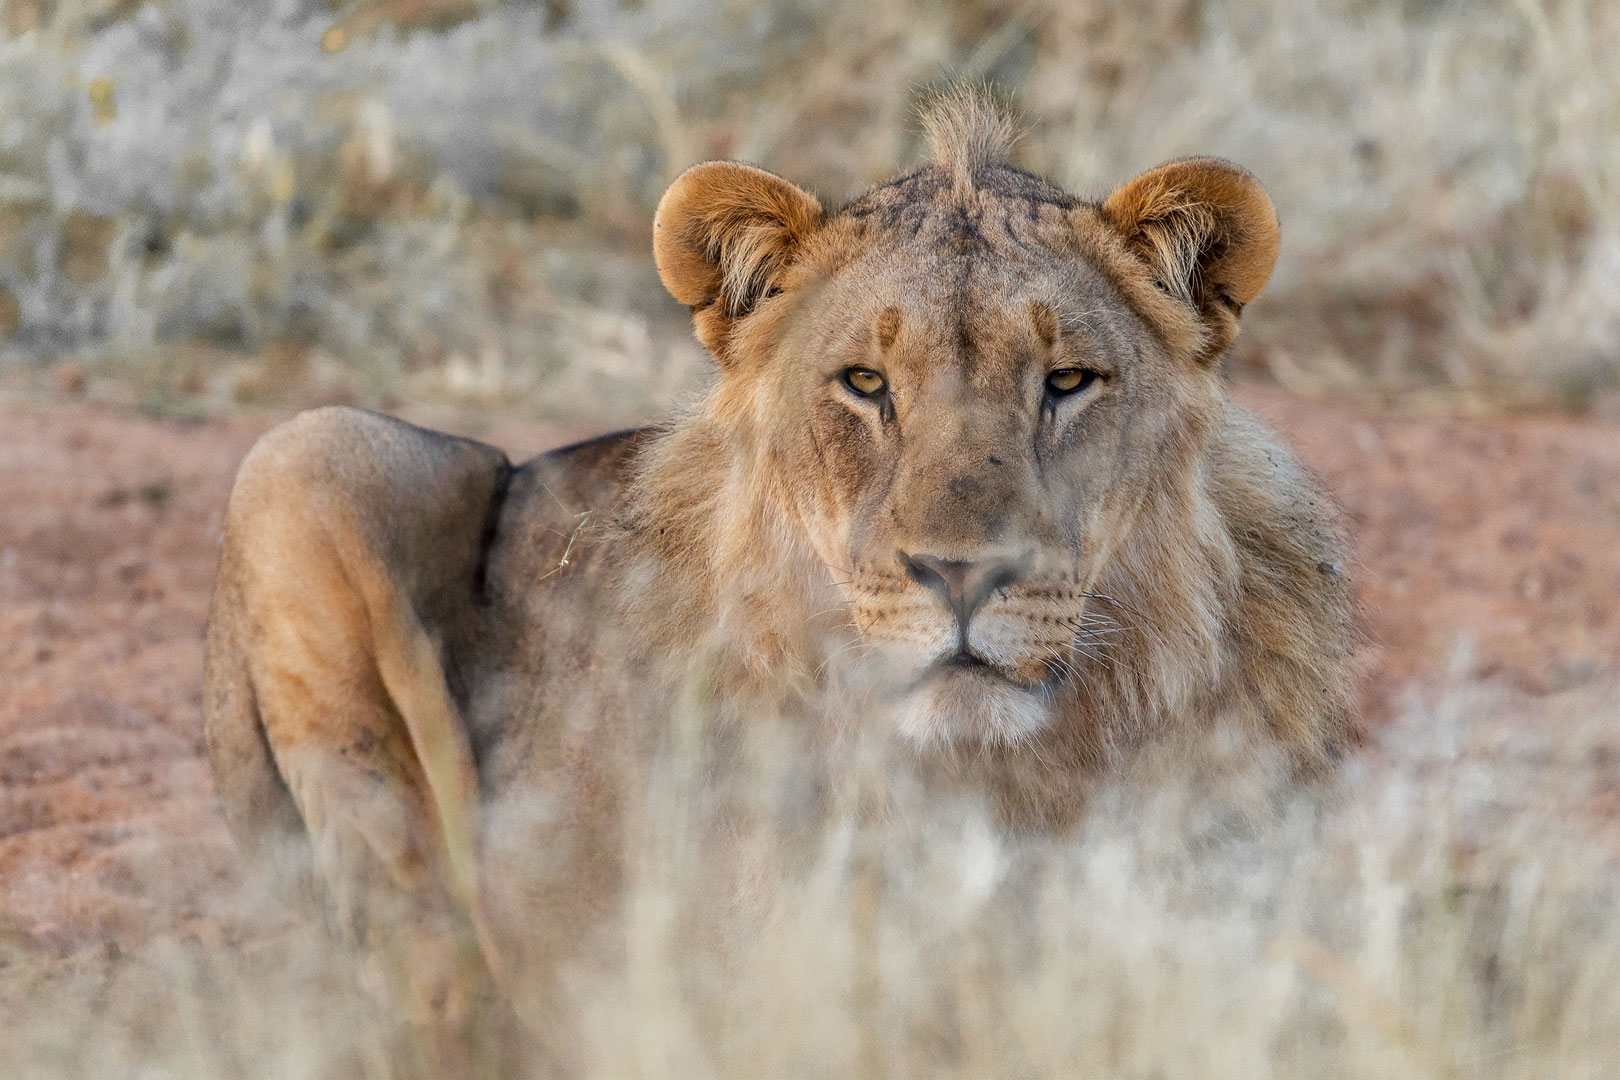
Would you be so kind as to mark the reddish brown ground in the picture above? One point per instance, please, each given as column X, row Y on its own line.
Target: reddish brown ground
column 1490, row 545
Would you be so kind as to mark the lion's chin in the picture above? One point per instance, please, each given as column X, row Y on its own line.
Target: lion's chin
column 971, row 705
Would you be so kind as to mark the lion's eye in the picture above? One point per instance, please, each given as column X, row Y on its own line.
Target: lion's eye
column 1069, row 380
column 865, row 381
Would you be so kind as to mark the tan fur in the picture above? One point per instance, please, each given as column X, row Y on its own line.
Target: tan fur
column 722, row 233
column 1208, row 231
column 412, row 641
column 968, row 131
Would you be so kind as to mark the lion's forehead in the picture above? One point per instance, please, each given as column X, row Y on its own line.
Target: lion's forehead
column 982, row 250
column 965, row 277
column 929, row 194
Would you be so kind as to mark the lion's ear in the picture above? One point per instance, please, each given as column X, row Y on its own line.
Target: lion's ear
column 722, row 235
column 1207, row 231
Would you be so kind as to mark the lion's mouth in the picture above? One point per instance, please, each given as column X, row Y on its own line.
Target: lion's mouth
column 967, row 664
column 965, row 697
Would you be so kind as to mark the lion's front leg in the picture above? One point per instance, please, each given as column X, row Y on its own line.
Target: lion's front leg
column 348, row 579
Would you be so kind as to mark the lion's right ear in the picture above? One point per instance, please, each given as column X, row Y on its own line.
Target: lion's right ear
column 1208, row 233
column 722, row 236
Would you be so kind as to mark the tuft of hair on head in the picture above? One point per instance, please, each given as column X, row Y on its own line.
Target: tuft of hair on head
column 969, row 130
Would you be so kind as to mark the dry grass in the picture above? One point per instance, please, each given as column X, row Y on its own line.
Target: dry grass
column 1445, row 908
column 204, row 204
column 212, row 202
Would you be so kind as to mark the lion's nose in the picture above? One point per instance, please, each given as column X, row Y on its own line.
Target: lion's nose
column 964, row 585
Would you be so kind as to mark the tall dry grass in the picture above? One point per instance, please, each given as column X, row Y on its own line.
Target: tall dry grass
column 1446, row 907
column 206, row 203
column 450, row 200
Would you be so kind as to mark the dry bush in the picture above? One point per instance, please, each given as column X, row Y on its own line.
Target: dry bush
column 1446, row 907
column 450, row 199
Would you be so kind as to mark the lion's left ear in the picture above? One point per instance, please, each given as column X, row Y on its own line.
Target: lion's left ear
column 722, row 236
column 1208, row 232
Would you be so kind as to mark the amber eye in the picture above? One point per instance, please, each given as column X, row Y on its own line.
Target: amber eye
column 1069, row 380
column 865, row 381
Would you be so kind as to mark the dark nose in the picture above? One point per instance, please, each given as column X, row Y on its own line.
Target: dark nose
column 964, row 586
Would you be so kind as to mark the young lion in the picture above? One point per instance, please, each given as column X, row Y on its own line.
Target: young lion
column 968, row 460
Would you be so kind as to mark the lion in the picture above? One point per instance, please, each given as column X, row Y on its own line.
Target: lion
column 968, row 447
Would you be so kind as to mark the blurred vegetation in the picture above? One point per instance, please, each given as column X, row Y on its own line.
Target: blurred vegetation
column 1445, row 909
column 297, row 201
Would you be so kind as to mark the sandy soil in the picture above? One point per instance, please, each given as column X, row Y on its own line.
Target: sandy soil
column 1486, row 548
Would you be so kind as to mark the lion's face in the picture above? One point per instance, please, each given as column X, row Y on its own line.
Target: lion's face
column 973, row 422
column 964, row 391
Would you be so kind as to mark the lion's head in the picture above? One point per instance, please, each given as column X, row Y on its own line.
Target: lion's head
column 964, row 389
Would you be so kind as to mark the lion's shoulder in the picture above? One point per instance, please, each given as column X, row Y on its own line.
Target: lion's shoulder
column 559, row 514
column 1275, row 505
column 1293, row 623
column 589, row 475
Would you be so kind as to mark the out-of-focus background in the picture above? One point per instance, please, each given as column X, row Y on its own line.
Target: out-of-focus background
column 206, row 204
column 216, row 212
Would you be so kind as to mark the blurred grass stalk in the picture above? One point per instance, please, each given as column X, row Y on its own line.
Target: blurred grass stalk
column 402, row 199
column 1447, row 908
